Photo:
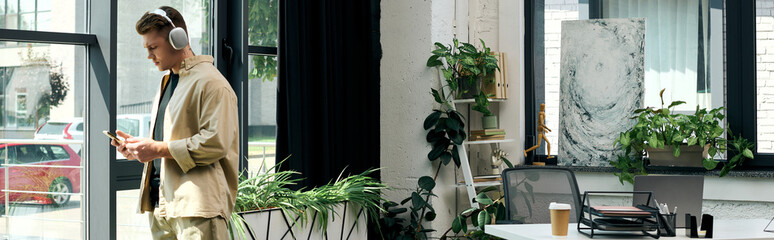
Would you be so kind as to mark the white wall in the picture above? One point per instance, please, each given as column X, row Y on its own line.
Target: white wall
column 408, row 30
column 765, row 59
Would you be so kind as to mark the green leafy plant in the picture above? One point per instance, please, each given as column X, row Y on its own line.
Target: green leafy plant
column 262, row 26
column 270, row 190
column 395, row 227
column 460, row 63
column 59, row 86
column 491, row 210
column 465, row 69
column 657, row 128
column 482, row 104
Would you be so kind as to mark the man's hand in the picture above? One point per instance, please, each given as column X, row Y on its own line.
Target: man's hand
column 121, row 148
column 146, row 149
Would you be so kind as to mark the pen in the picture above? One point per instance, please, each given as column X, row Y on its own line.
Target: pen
column 666, row 208
column 675, row 211
column 658, row 206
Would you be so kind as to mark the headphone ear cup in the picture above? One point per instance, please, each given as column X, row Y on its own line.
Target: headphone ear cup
column 178, row 38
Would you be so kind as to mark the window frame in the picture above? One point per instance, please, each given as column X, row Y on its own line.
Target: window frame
column 740, row 61
column 231, row 54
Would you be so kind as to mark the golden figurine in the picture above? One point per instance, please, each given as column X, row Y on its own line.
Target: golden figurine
column 541, row 129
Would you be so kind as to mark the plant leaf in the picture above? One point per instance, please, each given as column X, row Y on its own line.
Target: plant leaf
column 456, row 156
column 432, row 119
column 436, row 96
column 453, row 124
column 438, row 149
column 416, row 201
column 675, row 103
column 456, row 224
column 676, row 150
column 426, row 183
column 446, row 158
column 483, row 199
column 430, row 216
column 709, row 163
column 433, row 61
column 507, row 162
column 661, row 95
column 692, row 140
column 747, row 153
column 483, row 218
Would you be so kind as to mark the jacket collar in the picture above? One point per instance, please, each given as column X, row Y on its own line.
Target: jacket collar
column 190, row 62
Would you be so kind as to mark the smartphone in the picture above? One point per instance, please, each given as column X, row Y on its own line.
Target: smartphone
column 112, row 136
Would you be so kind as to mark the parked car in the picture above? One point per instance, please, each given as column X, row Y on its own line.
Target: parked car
column 137, row 125
column 71, row 129
column 40, row 179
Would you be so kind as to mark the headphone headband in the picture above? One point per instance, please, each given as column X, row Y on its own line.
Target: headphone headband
column 164, row 14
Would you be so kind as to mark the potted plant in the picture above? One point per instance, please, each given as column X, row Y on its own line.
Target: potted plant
column 674, row 139
column 265, row 206
column 466, row 71
column 489, row 120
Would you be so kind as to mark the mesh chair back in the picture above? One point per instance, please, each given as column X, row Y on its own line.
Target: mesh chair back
column 529, row 191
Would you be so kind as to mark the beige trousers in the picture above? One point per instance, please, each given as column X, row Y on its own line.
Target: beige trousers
column 164, row 228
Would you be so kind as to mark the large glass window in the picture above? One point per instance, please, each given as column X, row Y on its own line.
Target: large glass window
column 43, row 15
column 262, row 23
column 138, row 81
column 41, row 99
column 262, row 85
column 262, row 115
column 683, row 51
column 764, row 27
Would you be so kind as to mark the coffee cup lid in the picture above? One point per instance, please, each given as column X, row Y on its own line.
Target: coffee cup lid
column 559, row 206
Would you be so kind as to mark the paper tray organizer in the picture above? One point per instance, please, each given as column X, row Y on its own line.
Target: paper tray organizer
column 639, row 219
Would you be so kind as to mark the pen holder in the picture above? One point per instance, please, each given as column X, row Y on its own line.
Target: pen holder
column 668, row 224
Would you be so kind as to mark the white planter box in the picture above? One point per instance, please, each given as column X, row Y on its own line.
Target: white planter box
column 347, row 222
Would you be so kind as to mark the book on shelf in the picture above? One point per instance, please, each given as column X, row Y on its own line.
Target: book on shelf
column 487, row 132
column 489, row 137
column 501, row 80
column 485, row 178
column 504, row 73
column 495, row 83
column 478, row 180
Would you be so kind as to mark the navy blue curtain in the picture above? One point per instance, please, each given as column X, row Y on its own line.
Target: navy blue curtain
column 328, row 101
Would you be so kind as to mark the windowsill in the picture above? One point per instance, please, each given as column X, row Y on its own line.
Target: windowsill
column 757, row 173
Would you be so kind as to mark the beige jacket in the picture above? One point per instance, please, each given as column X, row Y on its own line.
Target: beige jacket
column 201, row 128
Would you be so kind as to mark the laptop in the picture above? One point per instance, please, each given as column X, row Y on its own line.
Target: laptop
column 684, row 192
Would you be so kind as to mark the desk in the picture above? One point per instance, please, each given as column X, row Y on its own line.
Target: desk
column 724, row 229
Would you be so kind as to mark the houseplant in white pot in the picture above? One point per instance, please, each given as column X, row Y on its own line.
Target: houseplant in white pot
column 267, row 209
column 674, row 139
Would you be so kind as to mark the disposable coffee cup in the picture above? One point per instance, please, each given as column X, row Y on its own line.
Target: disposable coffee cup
column 560, row 219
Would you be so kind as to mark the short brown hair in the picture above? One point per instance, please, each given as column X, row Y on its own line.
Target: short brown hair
column 153, row 22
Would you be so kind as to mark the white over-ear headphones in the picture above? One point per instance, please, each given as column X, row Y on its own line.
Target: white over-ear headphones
column 177, row 37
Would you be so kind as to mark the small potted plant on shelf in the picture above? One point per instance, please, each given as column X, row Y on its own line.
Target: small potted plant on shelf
column 466, row 70
column 674, row 139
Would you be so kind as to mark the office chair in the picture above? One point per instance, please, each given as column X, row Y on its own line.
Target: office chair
column 529, row 191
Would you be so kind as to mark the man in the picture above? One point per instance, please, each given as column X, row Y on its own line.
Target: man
column 189, row 181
